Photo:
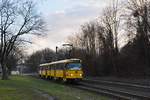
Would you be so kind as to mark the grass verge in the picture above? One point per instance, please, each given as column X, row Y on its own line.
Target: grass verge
column 30, row 88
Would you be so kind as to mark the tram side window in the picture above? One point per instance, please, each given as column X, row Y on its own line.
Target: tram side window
column 53, row 67
column 49, row 67
column 60, row 66
column 43, row 68
column 46, row 67
column 57, row 66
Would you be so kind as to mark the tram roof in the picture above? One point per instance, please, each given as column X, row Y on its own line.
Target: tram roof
column 61, row 61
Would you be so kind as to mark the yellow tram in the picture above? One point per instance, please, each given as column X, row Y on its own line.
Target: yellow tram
column 69, row 69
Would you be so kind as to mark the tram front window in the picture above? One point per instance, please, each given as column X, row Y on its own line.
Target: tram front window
column 74, row 66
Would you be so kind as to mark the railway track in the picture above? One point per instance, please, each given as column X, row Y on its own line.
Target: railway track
column 117, row 90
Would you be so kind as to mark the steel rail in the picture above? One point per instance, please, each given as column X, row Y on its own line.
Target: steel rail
column 115, row 89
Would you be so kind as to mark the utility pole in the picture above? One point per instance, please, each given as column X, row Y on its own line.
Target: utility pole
column 56, row 53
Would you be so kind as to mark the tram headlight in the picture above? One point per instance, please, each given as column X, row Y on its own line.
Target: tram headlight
column 71, row 74
column 80, row 74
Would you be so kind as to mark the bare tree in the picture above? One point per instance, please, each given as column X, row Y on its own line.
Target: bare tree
column 16, row 20
column 89, row 36
column 42, row 56
column 110, row 21
column 139, row 22
column 15, row 57
column 99, row 40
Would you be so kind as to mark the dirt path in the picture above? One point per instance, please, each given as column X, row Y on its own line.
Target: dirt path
column 45, row 95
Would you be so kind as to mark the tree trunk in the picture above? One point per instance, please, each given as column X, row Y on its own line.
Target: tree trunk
column 4, row 72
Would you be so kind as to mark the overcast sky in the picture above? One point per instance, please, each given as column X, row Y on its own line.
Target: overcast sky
column 63, row 18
